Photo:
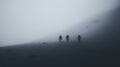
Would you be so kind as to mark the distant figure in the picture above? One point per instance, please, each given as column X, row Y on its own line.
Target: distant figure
column 44, row 43
column 60, row 38
column 79, row 38
column 67, row 38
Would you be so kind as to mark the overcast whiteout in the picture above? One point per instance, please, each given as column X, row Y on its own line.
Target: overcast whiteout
column 23, row 21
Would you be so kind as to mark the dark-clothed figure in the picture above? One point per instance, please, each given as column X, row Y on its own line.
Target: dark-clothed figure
column 79, row 38
column 67, row 38
column 60, row 38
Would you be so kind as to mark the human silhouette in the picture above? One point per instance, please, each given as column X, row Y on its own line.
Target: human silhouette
column 79, row 38
column 67, row 38
column 60, row 38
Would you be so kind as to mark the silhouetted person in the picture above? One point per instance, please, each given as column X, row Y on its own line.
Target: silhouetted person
column 60, row 38
column 67, row 38
column 79, row 38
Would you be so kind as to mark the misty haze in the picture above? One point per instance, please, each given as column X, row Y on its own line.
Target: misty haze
column 59, row 33
column 24, row 21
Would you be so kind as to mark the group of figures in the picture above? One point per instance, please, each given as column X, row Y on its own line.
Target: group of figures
column 68, row 38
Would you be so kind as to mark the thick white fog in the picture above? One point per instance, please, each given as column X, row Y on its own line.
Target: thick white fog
column 23, row 21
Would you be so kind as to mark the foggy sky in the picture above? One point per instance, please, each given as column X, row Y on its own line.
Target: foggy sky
column 26, row 20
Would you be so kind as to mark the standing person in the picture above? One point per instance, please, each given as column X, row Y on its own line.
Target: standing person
column 79, row 38
column 60, row 38
column 67, row 38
